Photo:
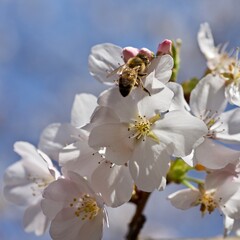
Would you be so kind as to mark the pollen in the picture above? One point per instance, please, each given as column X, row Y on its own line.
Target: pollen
column 85, row 207
column 207, row 202
column 232, row 75
column 142, row 128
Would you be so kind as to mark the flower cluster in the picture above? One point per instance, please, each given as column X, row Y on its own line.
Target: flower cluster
column 138, row 136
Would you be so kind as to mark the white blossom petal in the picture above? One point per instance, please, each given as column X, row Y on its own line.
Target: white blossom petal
column 228, row 225
column 34, row 220
column 180, row 131
column 103, row 59
column 80, row 158
column 229, row 129
column 32, row 161
column 163, row 67
column 83, row 107
column 50, row 208
column 61, row 190
column 115, row 137
column 83, row 185
column 124, row 107
column 66, row 225
column 189, row 159
column 103, row 115
column 184, row 199
column 232, row 93
column 93, row 229
column 229, row 198
column 213, row 155
column 206, row 42
column 159, row 101
column 149, row 165
column 21, row 195
column 56, row 136
column 113, row 182
column 178, row 101
column 16, row 175
column 208, row 95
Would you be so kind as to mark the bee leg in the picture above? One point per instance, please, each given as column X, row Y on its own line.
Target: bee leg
column 142, row 74
column 144, row 89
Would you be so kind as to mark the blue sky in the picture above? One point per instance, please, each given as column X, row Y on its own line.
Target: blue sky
column 44, row 47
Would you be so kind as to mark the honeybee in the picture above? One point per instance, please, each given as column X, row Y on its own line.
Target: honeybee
column 131, row 73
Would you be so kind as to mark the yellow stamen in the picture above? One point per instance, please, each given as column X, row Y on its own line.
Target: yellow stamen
column 141, row 128
column 85, row 207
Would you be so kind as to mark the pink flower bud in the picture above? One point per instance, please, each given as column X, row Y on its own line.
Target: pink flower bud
column 147, row 53
column 129, row 52
column 165, row 47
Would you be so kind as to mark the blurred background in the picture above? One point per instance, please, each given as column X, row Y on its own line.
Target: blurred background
column 44, row 48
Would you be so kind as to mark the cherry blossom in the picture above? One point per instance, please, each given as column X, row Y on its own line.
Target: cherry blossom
column 207, row 102
column 221, row 190
column 74, row 209
column 24, row 182
column 221, row 63
column 142, row 133
column 145, row 135
column 218, row 59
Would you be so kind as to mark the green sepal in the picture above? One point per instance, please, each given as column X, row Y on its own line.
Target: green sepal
column 176, row 59
column 177, row 171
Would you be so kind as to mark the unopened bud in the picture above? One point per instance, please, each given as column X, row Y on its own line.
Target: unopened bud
column 147, row 52
column 129, row 52
column 165, row 47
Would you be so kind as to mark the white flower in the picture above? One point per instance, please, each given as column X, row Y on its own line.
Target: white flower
column 105, row 58
column 221, row 190
column 75, row 210
column 56, row 136
column 217, row 59
column 219, row 62
column 144, row 136
column 25, row 181
column 207, row 102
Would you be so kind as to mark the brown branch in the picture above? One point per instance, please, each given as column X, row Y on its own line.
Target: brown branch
column 140, row 199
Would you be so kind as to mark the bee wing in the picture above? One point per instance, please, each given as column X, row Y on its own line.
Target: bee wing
column 118, row 70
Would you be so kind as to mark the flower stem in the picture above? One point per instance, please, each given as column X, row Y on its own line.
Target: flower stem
column 187, row 184
column 195, row 180
column 140, row 200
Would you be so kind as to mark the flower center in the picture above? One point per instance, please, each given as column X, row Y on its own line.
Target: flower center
column 207, row 203
column 206, row 200
column 39, row 184
column 212, row 120
column 85, row 207
column 232, row 74
column 141, row 128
